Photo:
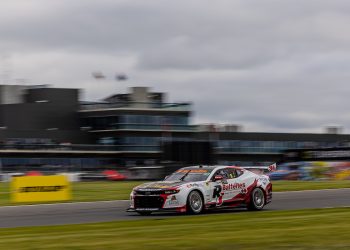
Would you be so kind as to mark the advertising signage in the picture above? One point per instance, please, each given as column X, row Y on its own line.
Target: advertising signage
column 316, row 154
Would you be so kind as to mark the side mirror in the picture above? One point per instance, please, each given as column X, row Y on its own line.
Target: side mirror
column 166, row 177
column 218, row 178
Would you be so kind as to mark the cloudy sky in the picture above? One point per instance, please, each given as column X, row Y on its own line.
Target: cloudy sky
column 269, row 65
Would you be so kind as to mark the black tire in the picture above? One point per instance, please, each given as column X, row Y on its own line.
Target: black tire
column 257, row 199
column 144, row 213
column 195, row 203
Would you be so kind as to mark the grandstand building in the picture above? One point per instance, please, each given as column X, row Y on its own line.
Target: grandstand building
column 51, row 129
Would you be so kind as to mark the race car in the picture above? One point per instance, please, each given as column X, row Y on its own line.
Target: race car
column 198, row 188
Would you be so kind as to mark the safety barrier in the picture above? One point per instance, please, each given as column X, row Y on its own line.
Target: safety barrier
column 40, row 188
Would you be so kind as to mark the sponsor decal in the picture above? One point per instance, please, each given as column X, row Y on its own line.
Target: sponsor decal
column 192, row 171
column 233, row 186
column 41, row 189
column 218, row 195
column 244, row 191
column 161, row 186
column 263, row 180
column 217, row 191
column 158, row 185
column 192, row 185
column 146, row 209
column 173, row 201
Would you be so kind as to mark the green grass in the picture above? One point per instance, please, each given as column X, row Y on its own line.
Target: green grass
column 86, row 191
column 89, row 191
column 302, row 229
column 103, row 190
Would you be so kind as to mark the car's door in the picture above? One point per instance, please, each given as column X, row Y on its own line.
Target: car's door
column 217, row 194
column 235, row 184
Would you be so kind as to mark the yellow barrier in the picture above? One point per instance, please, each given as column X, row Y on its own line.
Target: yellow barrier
column 343, row 175
column 40, row 188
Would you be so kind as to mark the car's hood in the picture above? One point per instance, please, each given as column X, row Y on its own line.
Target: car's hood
column 160, row 185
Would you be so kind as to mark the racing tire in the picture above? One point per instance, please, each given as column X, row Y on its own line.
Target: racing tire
column 195, row 203
column 257, row 199
column 144, row 213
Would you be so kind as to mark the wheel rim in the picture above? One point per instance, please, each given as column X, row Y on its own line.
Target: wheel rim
column 258, row 197
column 196, row 202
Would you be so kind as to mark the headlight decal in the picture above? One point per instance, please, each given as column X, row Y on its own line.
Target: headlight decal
column 171, row 191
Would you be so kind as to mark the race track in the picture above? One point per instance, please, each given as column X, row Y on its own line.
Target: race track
column 85, row 212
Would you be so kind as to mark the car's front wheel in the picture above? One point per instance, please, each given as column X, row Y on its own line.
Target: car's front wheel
column 195, row 202
column 257, row 199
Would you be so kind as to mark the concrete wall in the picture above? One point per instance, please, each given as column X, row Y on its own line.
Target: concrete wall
column 140, row 94
column 11, row 94
column 40, row 112
column 53, row 95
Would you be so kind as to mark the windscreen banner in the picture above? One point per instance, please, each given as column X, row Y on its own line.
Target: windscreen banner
column 40, row 188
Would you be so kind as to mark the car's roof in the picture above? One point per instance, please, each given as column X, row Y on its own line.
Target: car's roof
column 201, row 167
column 208, row 167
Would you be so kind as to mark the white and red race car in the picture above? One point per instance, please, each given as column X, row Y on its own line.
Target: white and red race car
column 194, row 189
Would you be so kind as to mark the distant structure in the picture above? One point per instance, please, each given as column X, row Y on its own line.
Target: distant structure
column 5, row 69
column 136, row 122
column 50, row 129
column 29, row 112
column 333, row 130
column 121, row 77
column 98, row 75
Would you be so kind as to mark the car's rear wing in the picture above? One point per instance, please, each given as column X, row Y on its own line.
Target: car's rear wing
column 270, row 168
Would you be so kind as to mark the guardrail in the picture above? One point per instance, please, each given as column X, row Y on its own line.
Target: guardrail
column 75, row 147
column 136, row 126
column 138, row 105
column 70, row 147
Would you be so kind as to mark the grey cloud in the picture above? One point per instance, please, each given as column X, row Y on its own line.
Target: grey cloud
column 269, row 65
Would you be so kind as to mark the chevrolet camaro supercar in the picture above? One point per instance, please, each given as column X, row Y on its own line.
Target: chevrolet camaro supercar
column 194, row 189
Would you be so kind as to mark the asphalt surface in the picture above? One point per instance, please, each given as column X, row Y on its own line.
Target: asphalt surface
column 87, row 212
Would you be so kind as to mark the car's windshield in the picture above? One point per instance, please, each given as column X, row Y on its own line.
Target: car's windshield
column 189, row 175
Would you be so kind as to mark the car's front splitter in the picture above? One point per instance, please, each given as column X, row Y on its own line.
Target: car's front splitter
column 164, row 210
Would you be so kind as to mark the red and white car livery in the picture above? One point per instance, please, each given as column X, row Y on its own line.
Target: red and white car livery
column 194, row 189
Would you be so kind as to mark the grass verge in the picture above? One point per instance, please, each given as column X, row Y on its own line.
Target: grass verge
column 85, row 191
column 103, row 190
column 301, row 229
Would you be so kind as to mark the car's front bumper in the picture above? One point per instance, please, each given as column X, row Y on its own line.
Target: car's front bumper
column 157, row 203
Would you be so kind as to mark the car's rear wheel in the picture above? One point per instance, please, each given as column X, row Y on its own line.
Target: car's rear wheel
column 257, row 199
column 144, row 212
column 195, row 202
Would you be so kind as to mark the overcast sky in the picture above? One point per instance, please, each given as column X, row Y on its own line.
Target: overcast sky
column 275, row 66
